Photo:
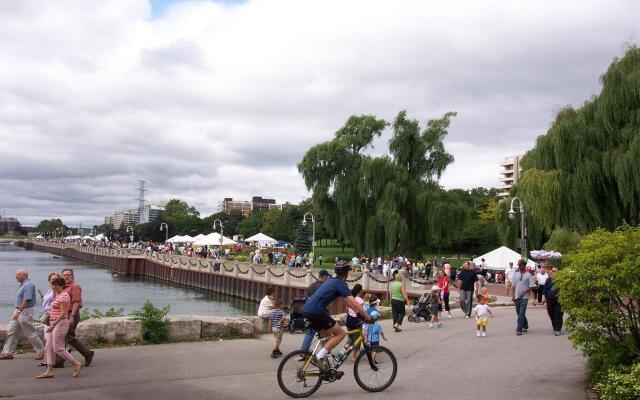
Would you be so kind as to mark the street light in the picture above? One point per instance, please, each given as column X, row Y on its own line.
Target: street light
column 166, row 229
column 523, row 225
column 130, row 228
column 313, row 237
column 218, row 222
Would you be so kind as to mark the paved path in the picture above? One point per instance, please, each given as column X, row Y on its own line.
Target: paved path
column 449, row 363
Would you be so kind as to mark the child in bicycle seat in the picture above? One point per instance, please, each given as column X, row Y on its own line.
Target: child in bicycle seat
column 372, row 333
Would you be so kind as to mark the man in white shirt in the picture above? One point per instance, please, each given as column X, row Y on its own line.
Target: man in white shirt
column 541, row 278
column 508, row 278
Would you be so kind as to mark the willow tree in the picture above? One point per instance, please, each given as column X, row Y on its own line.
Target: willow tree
column 388, row 203
column 583, row 173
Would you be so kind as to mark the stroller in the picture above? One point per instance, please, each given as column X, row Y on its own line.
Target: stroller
column 296, row 320
column 421, row 309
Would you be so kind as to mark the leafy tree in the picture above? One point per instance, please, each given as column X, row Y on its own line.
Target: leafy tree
column 600, row 290
column 583, row 173
column 563, row 240
column 50, row 226
column 304, row 238
column 382, row 204
column 251, row 225
column 277, row 225
column 229, row 220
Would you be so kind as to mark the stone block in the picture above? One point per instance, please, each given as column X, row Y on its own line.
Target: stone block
column 110, row 330
column 224, row 326
column 184, row 328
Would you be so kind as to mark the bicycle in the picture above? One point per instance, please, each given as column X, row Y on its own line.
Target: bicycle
column 307, row 373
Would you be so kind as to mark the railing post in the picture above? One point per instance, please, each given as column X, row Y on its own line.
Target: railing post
column 365, row 280
column 236, row 269
column 267, row 274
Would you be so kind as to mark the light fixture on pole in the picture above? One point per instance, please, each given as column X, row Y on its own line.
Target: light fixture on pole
column 313, row 234
column 218, row 222
column 130, row 228
column 523, row 225
column 165, row 227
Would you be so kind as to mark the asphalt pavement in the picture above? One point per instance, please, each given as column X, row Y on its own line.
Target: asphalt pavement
column 447, row 363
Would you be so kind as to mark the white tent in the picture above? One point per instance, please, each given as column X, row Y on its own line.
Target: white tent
column 176, row 239
column 87, row 237
column 100, row 237
column 186, row 238
column 262, row 240
column 213, row 239
column 200, row 236
column 500, row 258
column 39, row 237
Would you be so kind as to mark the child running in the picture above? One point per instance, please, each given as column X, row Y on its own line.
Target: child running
column 482, row 312
column 372, row 333
column 435, row 302
column 277, row 321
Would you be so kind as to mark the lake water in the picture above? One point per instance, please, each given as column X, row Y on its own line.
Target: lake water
column 102, row 289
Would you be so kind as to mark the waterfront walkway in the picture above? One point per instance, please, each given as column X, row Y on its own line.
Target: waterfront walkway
column 450, row 363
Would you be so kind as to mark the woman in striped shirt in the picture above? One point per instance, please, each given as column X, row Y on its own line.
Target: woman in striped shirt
column 58, row 327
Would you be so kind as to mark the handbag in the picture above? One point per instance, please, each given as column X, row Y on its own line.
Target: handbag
column 44, row 319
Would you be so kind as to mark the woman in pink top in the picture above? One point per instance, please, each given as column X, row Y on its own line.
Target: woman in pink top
column 443, row 285
column 58, row 327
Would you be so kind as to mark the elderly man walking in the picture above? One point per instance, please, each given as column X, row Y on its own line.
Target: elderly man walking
column 22, row 319
column 522, row 284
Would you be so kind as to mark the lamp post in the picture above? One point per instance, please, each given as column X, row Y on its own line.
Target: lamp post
column 523, row 225
column 313, row 230
column 130, row 228
column 165, row 227
column 218, row 222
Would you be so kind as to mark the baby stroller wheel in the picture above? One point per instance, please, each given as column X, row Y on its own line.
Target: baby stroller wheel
column 411, row 318
column 417, row 320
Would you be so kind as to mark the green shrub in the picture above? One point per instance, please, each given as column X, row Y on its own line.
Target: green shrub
column 84, row 315
column 112, row 312
column 155, row 326
column 620, row 384
column 600, row 290
column 241, row 258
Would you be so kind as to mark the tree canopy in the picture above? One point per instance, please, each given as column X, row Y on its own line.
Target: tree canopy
column 583, row 173
column 384, row 204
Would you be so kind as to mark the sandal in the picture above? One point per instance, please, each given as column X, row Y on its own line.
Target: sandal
column 76, row 370
column 43, row 376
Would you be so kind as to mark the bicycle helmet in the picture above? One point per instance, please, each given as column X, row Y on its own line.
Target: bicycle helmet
column 375, row 315
column 342, row 268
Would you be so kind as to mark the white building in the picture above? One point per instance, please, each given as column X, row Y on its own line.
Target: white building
column 510, row 172
column 134, row 216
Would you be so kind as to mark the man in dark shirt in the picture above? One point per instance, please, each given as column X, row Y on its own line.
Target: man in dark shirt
column 551, row 298
column 310, row 332
column 466, row 280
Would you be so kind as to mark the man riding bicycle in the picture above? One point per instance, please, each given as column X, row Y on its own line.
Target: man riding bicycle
column 315, row 309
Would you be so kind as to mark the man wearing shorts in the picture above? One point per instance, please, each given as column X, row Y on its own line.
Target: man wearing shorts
column 315, row 309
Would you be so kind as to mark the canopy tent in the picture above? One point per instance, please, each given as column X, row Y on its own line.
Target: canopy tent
column 213, row 239
column 175, row 239
column 262, row 240
column 187, row 238
column 39, row 237
column 100, row 237
column 500, row 258
column 87, row 237
column 200, row 236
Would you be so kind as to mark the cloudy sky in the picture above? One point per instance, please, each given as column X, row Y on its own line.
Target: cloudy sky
column 208, row 99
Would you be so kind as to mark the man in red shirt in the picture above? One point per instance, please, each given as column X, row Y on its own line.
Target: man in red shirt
column 75, row 293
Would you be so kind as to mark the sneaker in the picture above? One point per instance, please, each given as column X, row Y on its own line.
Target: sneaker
column 279, row 352
column 466, row 317
column 439, row 325
column 274, row 354
column 449, row 316
column 478, row 334
column 484, row 334
column 557, row 333
column 524, row 330
column 430, row 326
column 89, row 359
column 518, row 333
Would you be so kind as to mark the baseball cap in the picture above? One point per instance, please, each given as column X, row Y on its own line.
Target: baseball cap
column 323, row 272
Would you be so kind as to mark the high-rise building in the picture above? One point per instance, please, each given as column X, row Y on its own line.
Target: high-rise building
column 8, row 225
column 133, row 216
column 257, row 203
column 510, row 172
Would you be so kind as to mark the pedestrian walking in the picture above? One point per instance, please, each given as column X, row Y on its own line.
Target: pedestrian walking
column 522, row 284
column 466, row 282
column 554, row 309
column 508, row 279
column 482, row 312
column 57, row 330
column 399, row 298
column 541, row 280
column 74, row 291
column 443, row 285
column 22, row 319
column 46, row 309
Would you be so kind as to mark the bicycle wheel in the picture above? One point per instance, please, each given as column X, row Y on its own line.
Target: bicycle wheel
column 293, row 380
column 379, row 378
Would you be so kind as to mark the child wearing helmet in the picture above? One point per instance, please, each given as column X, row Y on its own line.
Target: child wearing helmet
column 372, row 332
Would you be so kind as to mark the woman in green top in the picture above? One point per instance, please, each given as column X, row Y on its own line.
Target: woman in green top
column 399, row 298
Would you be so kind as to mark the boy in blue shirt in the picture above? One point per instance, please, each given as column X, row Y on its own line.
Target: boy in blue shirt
column 372, row 332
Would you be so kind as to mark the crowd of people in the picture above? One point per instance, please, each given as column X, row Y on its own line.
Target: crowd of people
column 60, row 313
column 524, row 283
